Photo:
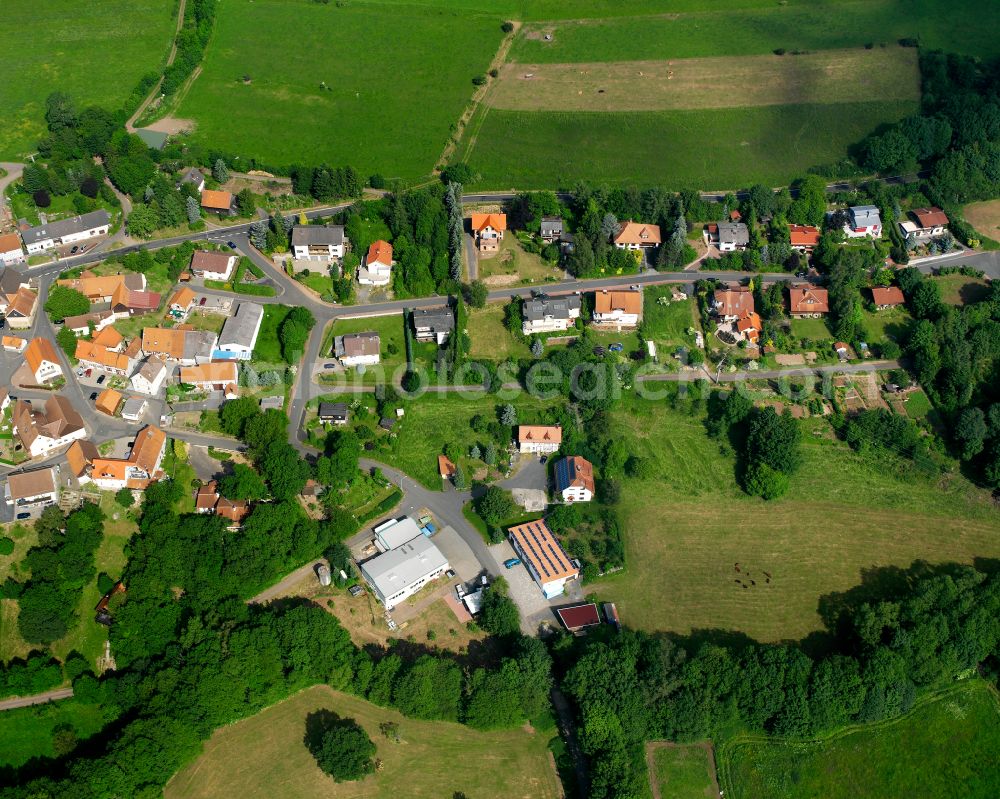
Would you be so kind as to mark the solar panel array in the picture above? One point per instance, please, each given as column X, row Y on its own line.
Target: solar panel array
column 545, row 552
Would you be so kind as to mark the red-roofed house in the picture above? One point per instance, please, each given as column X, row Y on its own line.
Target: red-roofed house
column 489, row 230
column 377, row 268
column 579, row 617
column 575, row 479
column 540, row 439
column 807, row 301
column 887, row 297
column 803, row 237
column 930, row 222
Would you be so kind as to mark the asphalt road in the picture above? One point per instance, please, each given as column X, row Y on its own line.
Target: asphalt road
column 37, row 699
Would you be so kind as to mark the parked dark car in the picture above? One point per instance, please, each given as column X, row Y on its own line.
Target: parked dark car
column 93, row 396
column 23, row 516
column 101, row 379
column 203, row 301
column 232, row 244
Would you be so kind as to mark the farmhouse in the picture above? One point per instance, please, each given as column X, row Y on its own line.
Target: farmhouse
column 863, row 220
column 240, row 331
column 544, row 314
column 215, row 376
column 139, row 469
column 433, row 324
column 317, row 243
column 488, row 230
column 66, row 231
column 636, row 236
column 184, row 346
column 212, row 265
column 544, row 557
column 538, row 439
column 729, row 236
column 887, row 297
column 803, row 237
column 579, row 617
column 929, row 222
column 220, row 202
column 110, row 360
column 551, row 229
column 42, row 360
column 377, row 268
column 34, row 489
column 807, row 301
column 333, row 412
column 10, row 249
column 404, row 570
column 195, row 177
column 53, row 427
column 357, row 349
column 150, row 377
column 618, row 308
column 575, row 479
column 729, row 304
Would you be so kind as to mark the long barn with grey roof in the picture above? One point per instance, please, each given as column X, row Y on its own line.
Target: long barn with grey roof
column 66, row 231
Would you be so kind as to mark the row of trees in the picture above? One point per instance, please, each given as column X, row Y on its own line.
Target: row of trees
column 196, row 30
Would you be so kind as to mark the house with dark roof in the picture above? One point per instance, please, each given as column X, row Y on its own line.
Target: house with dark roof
column 433, row 324
column 545, row 314
column 358, row 349
column 729, row 236
column 212, row 265
column 66, row 231
column 44, row 429
column 239, row 333
column 195, row 177
column 333, row 412
column 551, row 229
column 577, row 618
column 863, row 221
column 318, row 242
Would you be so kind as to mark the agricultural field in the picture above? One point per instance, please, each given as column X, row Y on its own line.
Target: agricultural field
column 941, row 749
column 681, row 771
column 338, row 93
column 64, row 46
column 264, row 756
column 687, row 528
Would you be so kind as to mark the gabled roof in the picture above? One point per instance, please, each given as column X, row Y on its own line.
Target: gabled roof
column 380, row 252
column 734, row 301
column 214, row 372
column 206, row 496
column 146, row 449
column 575, row 472
column 66, row 227
column 445, row 467
column 551, row 224
column 216, row 200
column 637, row 233
column 109, row 338
column 579, row 616
column 803, row 235
column 482, row 221
column 241, row 329
column 749, row 321
column 864, row 216
column 735, row 233
column 927, row 217
column 436, row 319
column 182, row 298
column 169, row 341
column 25, row 485
column 39, row 350
column 80, row 455
column 108, row 401
column 892, row 295
column 9, row 242
column 549, row 434
column 23, row 303
column 807, row 299
column 327, row 235
column 89, row 351
column 542, row 306
column 332, row 410
column 205, row 261
column 354, row 345
column 541, row 547
column 629, row 302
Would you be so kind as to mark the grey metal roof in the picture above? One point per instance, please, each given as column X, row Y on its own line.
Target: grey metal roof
column 395, row 570
column 241, row 328
column 65, row 227
column 437, row 319
column 734, row 233
column 865, row 216
column 199, row 344
column 304, row 235
column 543, row 306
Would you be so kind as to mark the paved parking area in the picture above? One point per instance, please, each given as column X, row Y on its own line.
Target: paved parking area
column 460, row 556
column 528, row 597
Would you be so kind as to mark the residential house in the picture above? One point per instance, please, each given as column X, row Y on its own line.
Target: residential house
column 575, row 479
column 43, row 431
column 106, row 288
column 14, row 344
column 729, row 236
column 195, row 177
column 150, row 377
column 180, row 344
column 239, row 332
column 545, row 314
column 358, row 349
column 578, row 618
column 10, row 249
column 96, row 321
column 318, row 242
column 80, row 457
column 103, row 359
column 863, row 220
column 214, row 376
column 887, row 297
column 404, row 570
column 729, row 304
column 807, row 301
column 377, row 267
column 803, row 238
column 333, row 413
column 220, row 202
column 208, row 500
column 66, row 231
column 181, row 302
column 133, row 409
column 538, row 439
column 930, row 222
column 618, row 309
column 108, row 401
column 28, row 491
column 488, row 230
column 18, row 301
column 139, row 469
column 42, row 360
column 433, row 324
column 130, row 303
column 749, row 327
column 636, row 236
column 543, row 555
column 212, row 265
column 551, row 229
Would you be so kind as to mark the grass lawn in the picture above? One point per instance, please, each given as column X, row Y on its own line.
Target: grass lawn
column 490, row 339
column 27, row 732
column 718, row 148
column 667, row 325
column 94, row 52
column 23, row 206
column 264, row 756
column 268, row 348
column 918, row 405
column 207, row 321
column 515, row 266
column 682, row 772
column 340, row 97
column 985, row 218
column 843, row 517
column 320, row 282
column 393, row 346
column 940, row 750
column 961, row 290
column 890, row 323
column 814, row 329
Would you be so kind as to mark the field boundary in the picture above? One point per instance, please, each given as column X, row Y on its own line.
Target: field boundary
column 653, row 746
column 130, row 122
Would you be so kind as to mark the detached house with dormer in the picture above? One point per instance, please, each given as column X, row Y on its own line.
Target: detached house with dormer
column 807, row 301
column 636, row 236
column 488, row 230
column 538, row 439
column 863, row 221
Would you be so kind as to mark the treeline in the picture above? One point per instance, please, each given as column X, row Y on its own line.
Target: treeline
column 33, row 674
column 196, row 30
column 61, row 565
column 634, row 687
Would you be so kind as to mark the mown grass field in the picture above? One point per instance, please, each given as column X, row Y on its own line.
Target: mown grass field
column 263, row 757
column 95, row 52
column 27, row 732
column 682, row 772
column 946, row 747
column 706, row 29
column 844, row 518
column 715, row 149
column 397, row 78
column 961, row 290
column 490, row 339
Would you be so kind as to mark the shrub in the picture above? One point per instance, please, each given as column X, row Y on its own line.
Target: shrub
column 6, row 546
column 90, row 187
column 124, row 498
column 376, row 181
column 479, row 80
column 42, row 198
column 341, row 746
column 507, row 27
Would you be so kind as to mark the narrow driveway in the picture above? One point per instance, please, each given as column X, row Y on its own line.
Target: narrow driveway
column 285, row 584
column 37, row 699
